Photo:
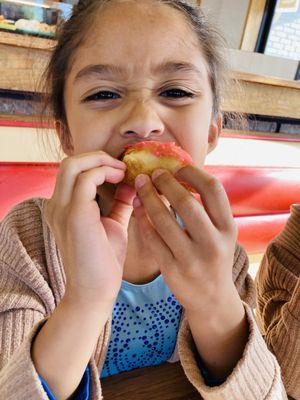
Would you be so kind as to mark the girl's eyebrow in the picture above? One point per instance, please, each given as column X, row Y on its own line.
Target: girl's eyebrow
column 169, row 67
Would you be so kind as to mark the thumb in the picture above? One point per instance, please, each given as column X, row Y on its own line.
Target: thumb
column 122, row 207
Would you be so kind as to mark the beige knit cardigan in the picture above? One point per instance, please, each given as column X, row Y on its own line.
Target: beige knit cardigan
column 32, row 283
column 278, row 306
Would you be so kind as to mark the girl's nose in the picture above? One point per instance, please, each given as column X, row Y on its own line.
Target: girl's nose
column 142, row 121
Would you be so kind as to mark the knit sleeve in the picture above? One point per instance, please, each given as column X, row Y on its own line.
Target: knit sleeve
column 278, row 311
column 31, row 286
column 23, row 311
column 257, row 374
column 18, row 376
column 26, row 301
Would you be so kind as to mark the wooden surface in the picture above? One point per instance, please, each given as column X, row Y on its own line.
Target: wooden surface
column 21, row 68
column 33, row 42
column 164, row 382
column 266, row 80
column 263, row 97
column 252, row 24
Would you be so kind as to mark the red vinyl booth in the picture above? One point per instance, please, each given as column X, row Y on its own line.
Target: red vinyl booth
column 260, row 197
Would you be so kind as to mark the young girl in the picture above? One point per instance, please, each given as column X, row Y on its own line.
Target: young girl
column 278, row 311
column 101, row 278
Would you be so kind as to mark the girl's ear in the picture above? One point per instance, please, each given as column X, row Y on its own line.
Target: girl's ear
column 64, row 137
column 214, row 132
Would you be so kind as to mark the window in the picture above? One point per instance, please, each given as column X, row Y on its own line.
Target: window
column 280, row 30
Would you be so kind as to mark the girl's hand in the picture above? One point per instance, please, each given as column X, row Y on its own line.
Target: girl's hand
column 93, row 248
column 196, row 262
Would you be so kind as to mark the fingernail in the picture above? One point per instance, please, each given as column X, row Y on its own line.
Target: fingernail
column 140, row 181
column 157, row 173
column 136, row 202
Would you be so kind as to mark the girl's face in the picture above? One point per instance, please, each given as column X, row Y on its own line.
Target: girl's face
column 140, row 75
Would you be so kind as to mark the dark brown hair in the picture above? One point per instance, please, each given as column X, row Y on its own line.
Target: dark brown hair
column 72, row 34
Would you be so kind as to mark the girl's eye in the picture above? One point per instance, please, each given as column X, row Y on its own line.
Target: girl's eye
column 177, row 93
column 103, row 95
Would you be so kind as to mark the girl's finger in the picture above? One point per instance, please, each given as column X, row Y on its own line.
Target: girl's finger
column 71, row 167
column 85, row 187
column 155, row 243
column 122, row 207
column 164, row 223
column 194, row 216
column 213, row 196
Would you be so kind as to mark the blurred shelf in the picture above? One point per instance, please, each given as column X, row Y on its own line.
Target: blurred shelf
column 27, row 41
column 263, row 95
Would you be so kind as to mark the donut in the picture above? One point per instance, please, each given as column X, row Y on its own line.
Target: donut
column 145, row 157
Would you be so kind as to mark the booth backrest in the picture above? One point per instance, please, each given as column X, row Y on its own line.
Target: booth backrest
column 260, row 197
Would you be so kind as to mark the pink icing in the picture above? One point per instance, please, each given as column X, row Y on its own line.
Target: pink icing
column 159, row 149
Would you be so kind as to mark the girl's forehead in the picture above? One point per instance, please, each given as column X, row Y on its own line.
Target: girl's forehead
column 139, row 36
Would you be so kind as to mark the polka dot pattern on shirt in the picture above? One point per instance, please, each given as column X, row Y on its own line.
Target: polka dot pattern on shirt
column 144, row 328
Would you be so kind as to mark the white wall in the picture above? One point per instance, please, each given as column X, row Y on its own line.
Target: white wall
column 252, row 152
column 27, row 144
column 229, row 16
column 262, row 64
